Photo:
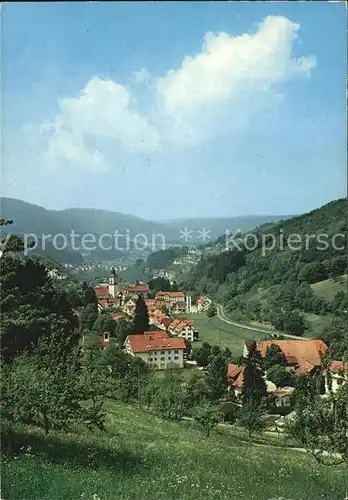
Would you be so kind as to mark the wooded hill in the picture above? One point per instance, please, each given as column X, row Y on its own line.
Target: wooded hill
column 274, row 285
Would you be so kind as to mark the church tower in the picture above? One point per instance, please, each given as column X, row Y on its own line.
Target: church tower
column 113, row 285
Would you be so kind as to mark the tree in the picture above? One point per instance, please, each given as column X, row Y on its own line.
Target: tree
column 254, row 387
column 274, row 356
column 105, row 324
column 43, row 389
column 216, row 377
column 89, row 296
column 280, row 376
column 208, row 416
column 196, row 391
column 32, row 308
column 202, row 354
column 123, row 329
column 227, row 354
column 168, row 396
column 212, row 311
column 321, row 426
column 141, row 322
column 251, row 417
column 88, row 318
column 294, row 323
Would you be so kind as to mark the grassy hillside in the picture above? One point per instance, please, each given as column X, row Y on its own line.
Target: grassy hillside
column 327, row 289
column 141, row 456
column 275, row 281
column 217, row 332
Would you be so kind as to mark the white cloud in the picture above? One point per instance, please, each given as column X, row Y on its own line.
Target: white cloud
column 105, row 110
column 238, row 71
column 219, row 88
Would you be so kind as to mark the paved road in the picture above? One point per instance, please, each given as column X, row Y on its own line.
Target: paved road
column 220, row 313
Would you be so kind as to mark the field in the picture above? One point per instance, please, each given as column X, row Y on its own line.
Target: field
column 217, row 332
column 141, row 456
column 327, row 289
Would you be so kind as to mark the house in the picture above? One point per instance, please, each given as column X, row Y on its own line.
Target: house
column 137, row 289
column 173, row 298
column 102, row 292
column 302, row 356
column 90, row 341
column 129, row 306
column 203, row 303
column 183, row 328
column 283, row 397
column 157, row 349
column 339, row 374
column 235, row 375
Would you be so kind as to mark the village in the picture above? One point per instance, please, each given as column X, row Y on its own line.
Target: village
column 164, row 346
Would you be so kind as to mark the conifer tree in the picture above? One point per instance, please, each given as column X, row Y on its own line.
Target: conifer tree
column 141, row 322
column 254, row 387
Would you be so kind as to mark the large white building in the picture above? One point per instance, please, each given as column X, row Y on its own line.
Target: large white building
column 157, row 349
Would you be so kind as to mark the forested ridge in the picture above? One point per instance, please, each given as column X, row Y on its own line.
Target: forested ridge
column 273, row 285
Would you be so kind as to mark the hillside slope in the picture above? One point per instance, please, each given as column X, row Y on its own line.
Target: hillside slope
column 141, row 456
column 271, row 282
column 29, row 218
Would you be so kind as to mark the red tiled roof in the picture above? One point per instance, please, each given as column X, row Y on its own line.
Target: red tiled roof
column 306, row 352
column 167, row 321
column 338, row 366
column 142, row 288
column 154, row 341
column 170, row 294
column 101, row 291
column 233, row 370
column 282, row 392
column 118, row 316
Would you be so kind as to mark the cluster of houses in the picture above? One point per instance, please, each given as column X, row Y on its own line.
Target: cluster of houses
column 302, row 356
column 164, row 347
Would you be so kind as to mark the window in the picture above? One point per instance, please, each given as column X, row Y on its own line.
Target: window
column 176, row 357
column 150, row 359
column 169, row 358
column 176, row 352
column 106, row 336
column 162, row 365
column 162, row 352
column 162, row 358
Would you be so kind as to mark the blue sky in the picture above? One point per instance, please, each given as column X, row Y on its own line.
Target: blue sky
column 174, row 109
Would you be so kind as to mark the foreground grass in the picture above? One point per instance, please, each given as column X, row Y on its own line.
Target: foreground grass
column 141, row 456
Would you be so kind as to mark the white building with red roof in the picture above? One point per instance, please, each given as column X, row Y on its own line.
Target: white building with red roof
column 157, row 349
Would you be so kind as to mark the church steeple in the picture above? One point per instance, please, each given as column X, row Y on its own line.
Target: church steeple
column 113, row 285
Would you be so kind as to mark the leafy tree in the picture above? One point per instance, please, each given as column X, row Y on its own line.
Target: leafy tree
column 216, row 377
column 227, row 354
column 88, row 318
column 294, row 323
column 32, row 308
column 212, row 311
column 89, row 296
column 105, row 323
column 141, row 316
column 274, row 356
column 123, row 329
column 202, row 354
column 251, row 417
column 321, row 426
column 196, row 391
column 208, row 416
column 168, row 396
column 46, row 390
column 280, row 376
column 254, row 387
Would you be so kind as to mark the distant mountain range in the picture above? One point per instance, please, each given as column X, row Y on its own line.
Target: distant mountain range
column 33, row 219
